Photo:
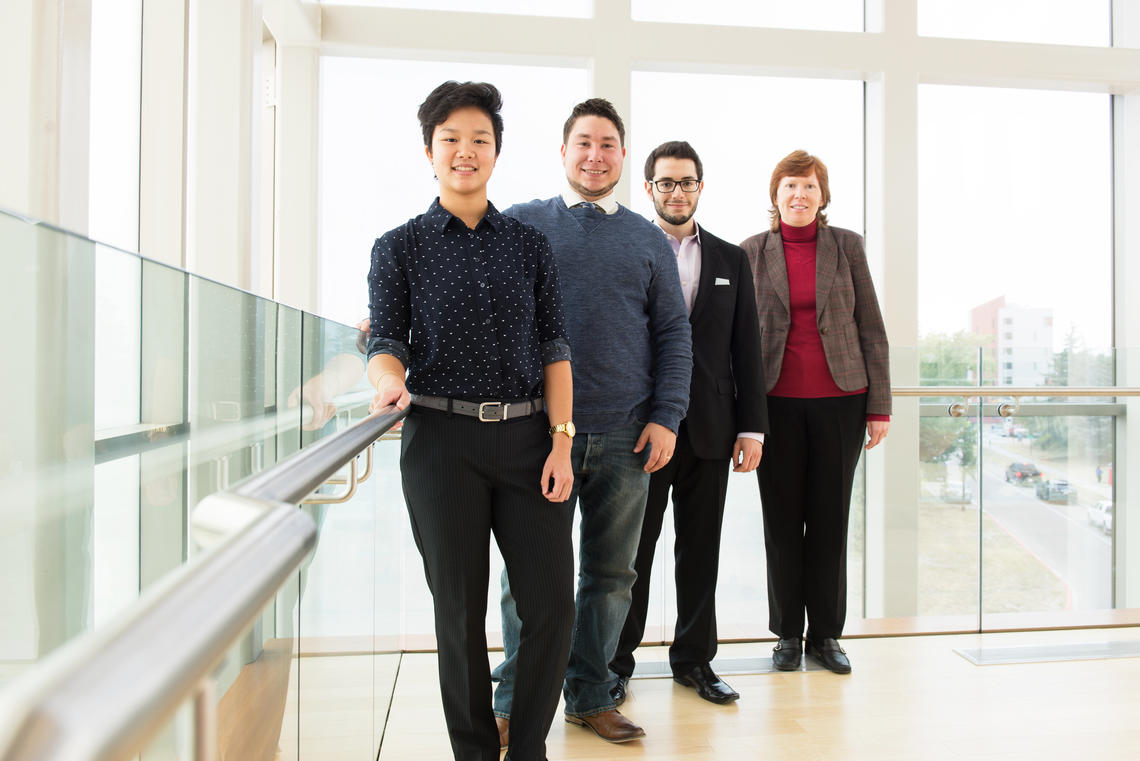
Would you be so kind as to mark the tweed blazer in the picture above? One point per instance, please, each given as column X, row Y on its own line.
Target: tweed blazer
column 847, row 312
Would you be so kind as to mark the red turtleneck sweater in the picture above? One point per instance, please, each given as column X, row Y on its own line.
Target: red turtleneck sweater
column 804, row 373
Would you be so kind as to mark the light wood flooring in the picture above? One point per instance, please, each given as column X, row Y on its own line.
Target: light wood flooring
column 908, row 698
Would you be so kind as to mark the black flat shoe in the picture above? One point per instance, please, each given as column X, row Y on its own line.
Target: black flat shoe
column 788, row 654
column 618, row 691
column 709, row 686
column 828, row 652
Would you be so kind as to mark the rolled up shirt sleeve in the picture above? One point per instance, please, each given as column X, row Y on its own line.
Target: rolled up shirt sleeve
column 555, row 351
column 389, row 310
column 550, row 322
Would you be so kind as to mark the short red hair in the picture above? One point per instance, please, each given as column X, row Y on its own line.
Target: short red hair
column 799, row 164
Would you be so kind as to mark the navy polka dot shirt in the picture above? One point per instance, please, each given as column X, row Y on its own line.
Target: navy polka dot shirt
column 473, row 314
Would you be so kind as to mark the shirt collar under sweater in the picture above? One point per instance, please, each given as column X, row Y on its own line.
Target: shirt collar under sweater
column 608, row 204
column 804, row 234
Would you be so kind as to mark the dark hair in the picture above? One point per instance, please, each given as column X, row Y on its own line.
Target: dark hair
column 799, row 164
column 674, row 149
column 452, row 96
column 594, row 107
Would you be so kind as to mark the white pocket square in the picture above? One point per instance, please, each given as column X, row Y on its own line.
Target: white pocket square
column 721, row 281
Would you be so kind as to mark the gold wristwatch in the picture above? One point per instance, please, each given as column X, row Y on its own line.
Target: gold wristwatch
column 566, row 428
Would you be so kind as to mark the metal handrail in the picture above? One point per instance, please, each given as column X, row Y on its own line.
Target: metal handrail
column 1006, row 392
column 103, row 696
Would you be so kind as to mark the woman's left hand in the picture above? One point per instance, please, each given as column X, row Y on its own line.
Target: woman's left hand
column 876, row 431
column 557, row 473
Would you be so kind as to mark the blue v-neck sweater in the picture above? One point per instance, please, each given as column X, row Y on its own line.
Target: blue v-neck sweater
column 630, row 341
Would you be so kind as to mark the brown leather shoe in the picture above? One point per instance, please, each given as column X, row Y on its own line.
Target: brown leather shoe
column 611, row 726
column 504, row 727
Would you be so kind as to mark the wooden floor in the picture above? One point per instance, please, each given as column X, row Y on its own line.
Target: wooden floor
column 907, row 699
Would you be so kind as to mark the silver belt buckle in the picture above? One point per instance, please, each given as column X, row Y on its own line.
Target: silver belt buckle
column 483, row 406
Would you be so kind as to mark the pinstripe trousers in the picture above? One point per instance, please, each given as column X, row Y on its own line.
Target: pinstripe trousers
column 465, row 481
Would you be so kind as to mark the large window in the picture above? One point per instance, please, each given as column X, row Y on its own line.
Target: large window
column 1015, row 289
column 375, row 175
column 831, row 15
column 741, row 140
column 1060, row 22
column 116, row 80
column 570, row 8
column 1015, row 216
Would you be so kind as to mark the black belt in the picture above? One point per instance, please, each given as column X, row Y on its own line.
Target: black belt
column 487, row 412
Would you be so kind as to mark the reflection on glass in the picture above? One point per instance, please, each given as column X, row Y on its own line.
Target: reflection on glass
column 1060, row 22
column 1010, row 277
column 364, row 149
column 830, row 15
column 734, row 204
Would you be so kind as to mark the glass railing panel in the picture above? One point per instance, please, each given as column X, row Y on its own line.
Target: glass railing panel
column 176, row 740
column 388, row 640
column 1047, row 540
column 338, row 583
column 231, row 407
column 257, row 711
column 160, row 439
column 47, row 483
column 1075, row 364
column 947, row 506
column 141, row 390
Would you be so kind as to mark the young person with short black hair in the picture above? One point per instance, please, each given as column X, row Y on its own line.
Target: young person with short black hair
column 467, row 302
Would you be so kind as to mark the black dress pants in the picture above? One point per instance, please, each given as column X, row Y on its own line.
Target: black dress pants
column 805, row 479
column 465, row 480
column 699, row 488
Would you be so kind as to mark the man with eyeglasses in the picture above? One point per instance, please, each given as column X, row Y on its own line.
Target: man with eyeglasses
column 726, row 422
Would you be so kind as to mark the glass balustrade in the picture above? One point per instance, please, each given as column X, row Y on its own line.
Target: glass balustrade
column 135, row 390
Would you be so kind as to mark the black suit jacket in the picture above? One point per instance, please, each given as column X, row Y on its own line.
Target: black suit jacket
column 727, row 395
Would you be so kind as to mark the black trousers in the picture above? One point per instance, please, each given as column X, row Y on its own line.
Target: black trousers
column 699, row 488
column 464, row 481
column 805, row 489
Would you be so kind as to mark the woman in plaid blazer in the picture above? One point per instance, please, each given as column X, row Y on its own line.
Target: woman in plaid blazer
column 825, row 360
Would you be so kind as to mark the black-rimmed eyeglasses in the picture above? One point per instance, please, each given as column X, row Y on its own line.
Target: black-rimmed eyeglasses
column 667, row 186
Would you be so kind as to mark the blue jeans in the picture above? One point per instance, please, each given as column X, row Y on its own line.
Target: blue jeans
column 610, row 486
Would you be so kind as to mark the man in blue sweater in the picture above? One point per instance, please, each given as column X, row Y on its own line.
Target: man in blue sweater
column 630, row 338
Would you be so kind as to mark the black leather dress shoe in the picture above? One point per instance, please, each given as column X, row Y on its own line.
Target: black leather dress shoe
column 709, row 686
column 788, row 654
column 618, row 691
column 828, row 652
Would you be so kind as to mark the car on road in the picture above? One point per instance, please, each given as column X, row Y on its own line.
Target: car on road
column 1100, row 515
column 1056, row 490
column 1022, row 472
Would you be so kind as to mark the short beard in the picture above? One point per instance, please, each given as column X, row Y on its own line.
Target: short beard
column 588, row 194
column 674, row 219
